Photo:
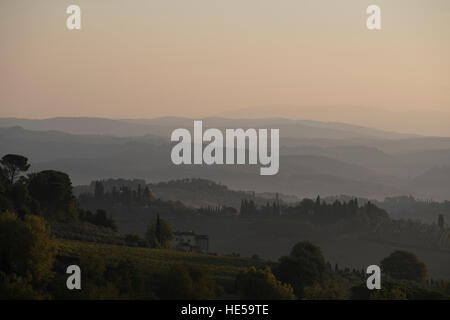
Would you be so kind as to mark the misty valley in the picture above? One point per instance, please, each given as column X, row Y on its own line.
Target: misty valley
column 140, row 227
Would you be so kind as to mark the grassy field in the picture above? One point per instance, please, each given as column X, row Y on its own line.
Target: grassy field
column 152, row 262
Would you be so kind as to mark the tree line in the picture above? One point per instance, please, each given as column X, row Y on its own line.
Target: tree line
column 47, row 194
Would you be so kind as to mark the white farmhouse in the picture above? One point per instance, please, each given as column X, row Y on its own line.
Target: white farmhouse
column 189, row 241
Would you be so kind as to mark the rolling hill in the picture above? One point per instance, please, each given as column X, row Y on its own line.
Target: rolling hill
column 335, row 159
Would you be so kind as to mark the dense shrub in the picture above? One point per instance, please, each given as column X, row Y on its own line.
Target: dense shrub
column 187, row 282
column 262, row 284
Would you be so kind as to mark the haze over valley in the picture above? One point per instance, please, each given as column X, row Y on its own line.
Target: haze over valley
column 315, row 157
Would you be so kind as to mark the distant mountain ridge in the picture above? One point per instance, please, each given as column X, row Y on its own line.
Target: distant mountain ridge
column 164, row 126
column 353, row 164
column 425, row 122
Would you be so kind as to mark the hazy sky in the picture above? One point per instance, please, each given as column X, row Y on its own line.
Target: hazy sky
column 137, row 59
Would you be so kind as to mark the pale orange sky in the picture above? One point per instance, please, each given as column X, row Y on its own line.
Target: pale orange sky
column 141, row 59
